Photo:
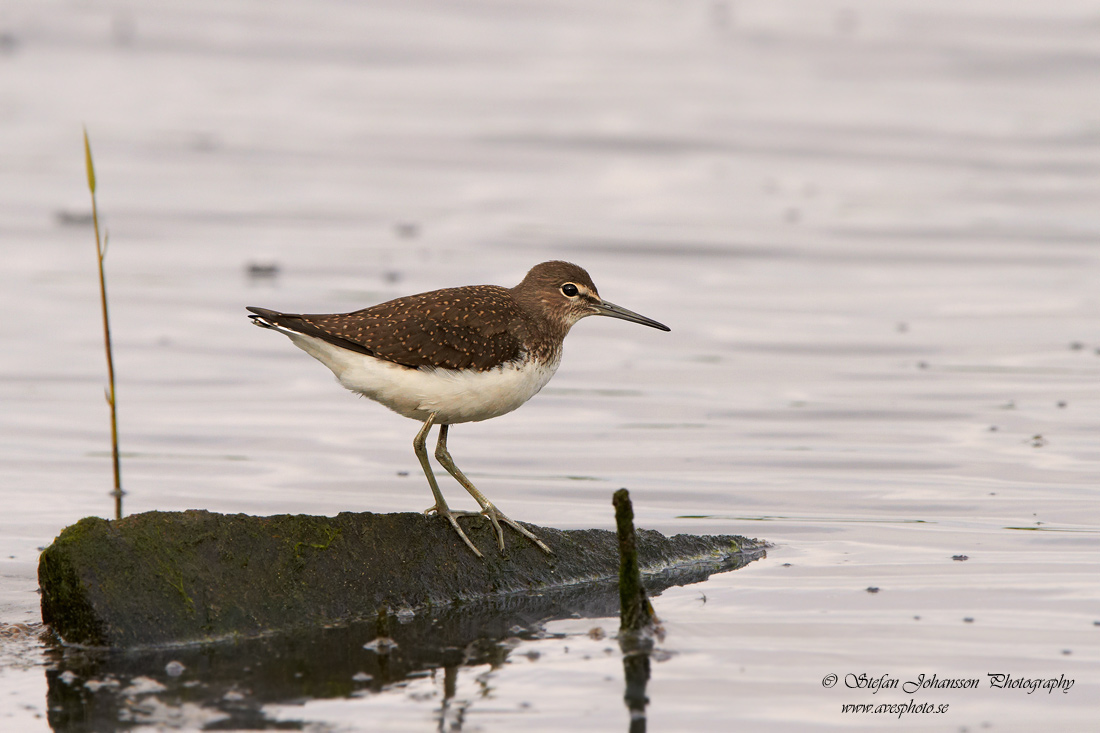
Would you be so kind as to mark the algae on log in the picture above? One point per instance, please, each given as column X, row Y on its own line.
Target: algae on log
column 176, row 577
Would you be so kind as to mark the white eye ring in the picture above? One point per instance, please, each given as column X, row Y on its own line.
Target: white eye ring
column 569, row 290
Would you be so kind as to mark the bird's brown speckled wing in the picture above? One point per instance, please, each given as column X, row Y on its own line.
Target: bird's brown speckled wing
column 456, row 328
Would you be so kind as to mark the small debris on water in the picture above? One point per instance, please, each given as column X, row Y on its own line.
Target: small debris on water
column 73, row 218
column 174, row 668
column 872, row 589
column 381, row 645
column 262, row 270
column 960, row 558
column 8, row 42
column 143, row 686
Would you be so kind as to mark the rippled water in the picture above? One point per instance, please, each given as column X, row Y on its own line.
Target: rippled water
column 872, row 228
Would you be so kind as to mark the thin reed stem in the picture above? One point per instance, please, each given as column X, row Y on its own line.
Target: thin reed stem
column 101, row 253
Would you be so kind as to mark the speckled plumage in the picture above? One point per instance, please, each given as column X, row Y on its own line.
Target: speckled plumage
column 472, row 327
column 476, row 327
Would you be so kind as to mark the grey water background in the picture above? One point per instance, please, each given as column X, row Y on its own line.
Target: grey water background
column 872, row 226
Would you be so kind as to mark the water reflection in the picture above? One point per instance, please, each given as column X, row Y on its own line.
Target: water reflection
column 636, row 652
column 228, row 685
column 450, row 720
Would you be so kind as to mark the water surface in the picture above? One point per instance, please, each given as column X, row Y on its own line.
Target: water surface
column 871, row 226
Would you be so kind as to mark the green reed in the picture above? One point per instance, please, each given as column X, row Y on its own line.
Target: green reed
column 101, row 252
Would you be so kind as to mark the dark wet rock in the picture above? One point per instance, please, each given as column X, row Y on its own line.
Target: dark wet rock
column 237, row 679
column 176, row 577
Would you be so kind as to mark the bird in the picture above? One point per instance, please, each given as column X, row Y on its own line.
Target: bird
column 455, row 355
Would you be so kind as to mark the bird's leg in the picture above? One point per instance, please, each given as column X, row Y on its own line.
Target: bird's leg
column 440, row 507
column 495, row 515
column 445, row 460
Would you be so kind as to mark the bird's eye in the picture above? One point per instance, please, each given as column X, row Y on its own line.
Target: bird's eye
column 569, row 290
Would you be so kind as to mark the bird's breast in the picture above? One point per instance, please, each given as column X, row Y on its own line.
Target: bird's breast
column 468, row 396
column 456, row 395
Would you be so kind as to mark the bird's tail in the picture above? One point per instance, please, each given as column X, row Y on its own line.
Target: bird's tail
column 264, row 318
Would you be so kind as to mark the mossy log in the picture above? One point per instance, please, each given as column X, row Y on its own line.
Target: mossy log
column 179, row 577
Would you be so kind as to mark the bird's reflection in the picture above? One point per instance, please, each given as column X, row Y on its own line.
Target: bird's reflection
column 451, row 715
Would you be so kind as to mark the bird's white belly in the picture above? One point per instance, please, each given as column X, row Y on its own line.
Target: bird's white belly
column 456, row 396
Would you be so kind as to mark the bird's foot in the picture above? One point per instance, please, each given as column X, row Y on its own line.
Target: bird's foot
column 496, row 517
column 445, row 511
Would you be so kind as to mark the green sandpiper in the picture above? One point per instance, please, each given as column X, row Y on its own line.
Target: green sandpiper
column 454, row 355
